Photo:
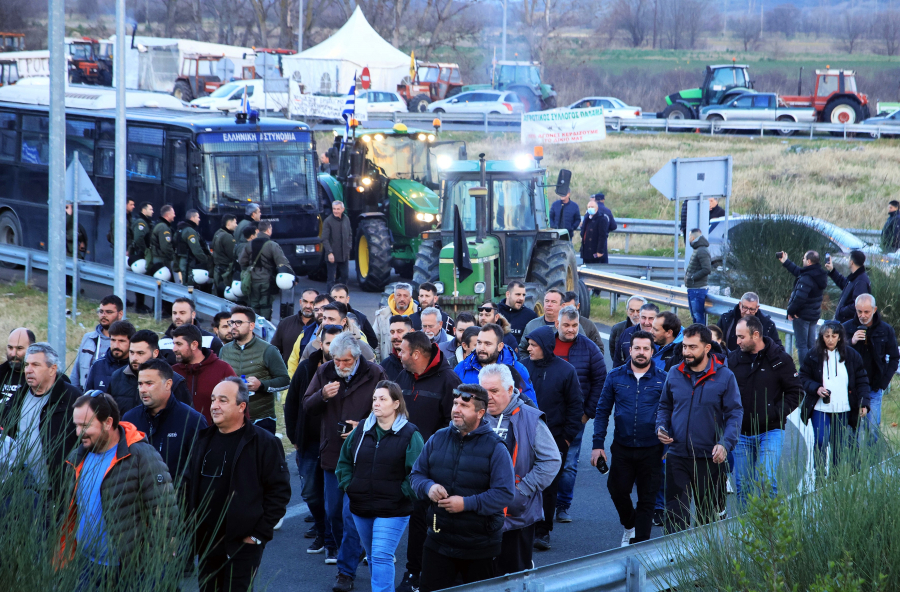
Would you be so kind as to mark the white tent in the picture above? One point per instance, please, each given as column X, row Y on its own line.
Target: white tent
column 329, row 67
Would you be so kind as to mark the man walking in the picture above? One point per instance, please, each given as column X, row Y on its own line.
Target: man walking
column 292, row 327
column 201, row 368
column 490, row 349
column 239, row 487
column 252, row 216
column 805, row 305
column 770, row 390
column 553, row 302
column 170, row 426
column 667, row 335
column 123, row 385
column 488, row 313
column 220, row 326
column 399, row 303
column 196, row 251
column 466, row 472
column 95, row 343
column 337, row 242
column 853, row 286
column 634, row 390
column 558, row 394
column 257, row 362
column 514, row 310
column 646, row 317
column 748, row 306
column 392, row 365
column 696, row 275
column 223, row 254
column 463, row 321
column 632, row 318
column 536, row 461
column 12, row 371
column 890, row 233
column 116, row 357
column 428, row 384
column 432, row 327
column 265, row 259
column 341, row 394
column 585, row 325
column 876, row 342
column 564, row 213
column 115, row 478
column 699, row 419
column 428, row 298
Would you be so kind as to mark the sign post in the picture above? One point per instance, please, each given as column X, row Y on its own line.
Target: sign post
column 80, row 191
column 695, row 180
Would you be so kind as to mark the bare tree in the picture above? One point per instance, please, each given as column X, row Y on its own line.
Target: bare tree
column 634, row 17
column 261, row 10
column 852, row 27
column 784, row 18
column 888, row 30
column 681, row 22
column 746, row 28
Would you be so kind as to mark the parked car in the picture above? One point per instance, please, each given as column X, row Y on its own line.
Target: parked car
column 891, row 121
column 481, row 101
column 758, row 107
column 380, row 101
column 614, row 110
column 228, row 97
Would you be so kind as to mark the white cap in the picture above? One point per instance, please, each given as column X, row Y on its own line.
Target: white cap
column 229, row 295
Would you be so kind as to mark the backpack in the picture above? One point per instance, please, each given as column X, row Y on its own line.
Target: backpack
column 246, row 279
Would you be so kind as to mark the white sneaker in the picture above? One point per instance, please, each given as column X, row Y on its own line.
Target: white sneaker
column 278, row 526
column 627, row 536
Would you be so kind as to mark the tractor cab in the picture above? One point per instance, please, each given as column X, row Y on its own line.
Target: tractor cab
column 721, row 83
column 9, row 72
column 86, row 65
column 12, row 41
column 504, row 209
column 201, row 75
column 433, row 82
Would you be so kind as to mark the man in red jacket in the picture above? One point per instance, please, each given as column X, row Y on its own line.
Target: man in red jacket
column 202, row 369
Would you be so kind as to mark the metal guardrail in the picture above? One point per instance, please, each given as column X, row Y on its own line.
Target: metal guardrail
column 206, row 304
column 485, row 118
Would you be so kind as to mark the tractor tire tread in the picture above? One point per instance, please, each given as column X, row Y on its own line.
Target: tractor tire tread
column 379, row 239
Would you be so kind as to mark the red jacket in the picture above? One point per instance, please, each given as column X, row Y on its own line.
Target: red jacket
column 200, row 380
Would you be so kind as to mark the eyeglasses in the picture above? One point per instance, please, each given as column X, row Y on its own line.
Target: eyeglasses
column 237, row 323
column 748, row 310
column 105, row 311
column 218, row 470
column 466, row 397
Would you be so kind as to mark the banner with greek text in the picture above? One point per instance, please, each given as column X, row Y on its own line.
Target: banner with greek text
column 563, row 126
column 329, row 108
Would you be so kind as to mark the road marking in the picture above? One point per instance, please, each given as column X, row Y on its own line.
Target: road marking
column 300, row 509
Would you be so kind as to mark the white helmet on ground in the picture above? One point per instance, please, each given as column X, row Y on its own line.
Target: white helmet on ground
column 163, row 274
column 236, row 289
column 285, row 281
column 139, row 266
column 201, row 276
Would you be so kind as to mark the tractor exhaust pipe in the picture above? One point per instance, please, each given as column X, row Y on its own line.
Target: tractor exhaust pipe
column 480, row 201
column 800, row 83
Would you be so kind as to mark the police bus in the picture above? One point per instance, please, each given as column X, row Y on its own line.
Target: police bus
column 216, row 164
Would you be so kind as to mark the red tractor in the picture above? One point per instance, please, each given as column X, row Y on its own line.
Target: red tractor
column 201, row 75
column 835, row 100
column 87, row 65
column 433, row 82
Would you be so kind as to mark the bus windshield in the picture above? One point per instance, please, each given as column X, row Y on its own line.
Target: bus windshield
column 400, row 157
column 278, row 172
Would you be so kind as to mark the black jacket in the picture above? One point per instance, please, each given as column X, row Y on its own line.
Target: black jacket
column 429, row 396
column 556, row 387
column 392, row 366
column 172, row 432
column 809, row 289
column 260, row 485
column 858, row 383
column 770, row 389
column 379, row 470
column 728, row 324
column 855, row 284
column 716, row 212
column 57, row 429
column 123, row 387
column 890, row 232
column 303, row 429
column 881, row 348
column 286, row 334
column 595, row 234
column 100, row 376
column 615, row 337
column 12, row 381
column 517, row 318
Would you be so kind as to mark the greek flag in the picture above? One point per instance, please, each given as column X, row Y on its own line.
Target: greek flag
column 349, row 108
column 245, row 102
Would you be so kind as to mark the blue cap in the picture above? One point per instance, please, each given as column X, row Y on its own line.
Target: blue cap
column 598, row 197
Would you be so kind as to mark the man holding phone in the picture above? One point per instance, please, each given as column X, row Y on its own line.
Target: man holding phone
column 634, row 389
column 341, row 394
column 699, row 418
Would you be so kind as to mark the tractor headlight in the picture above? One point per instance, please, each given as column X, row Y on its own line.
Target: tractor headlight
column 444, row 162
column 366, row 181
column 421, row 137
column 428, row 218
column 366, row 139
column 522, row 161
column 479, row 287
column 378, row 137
column 439, row 286
column 431, row 137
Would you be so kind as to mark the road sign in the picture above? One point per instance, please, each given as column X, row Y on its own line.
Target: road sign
column 366, row 79
column 689, row 178
column 87, row 193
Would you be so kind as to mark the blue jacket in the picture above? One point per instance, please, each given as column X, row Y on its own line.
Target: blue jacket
column 700, row 412
column 590, row 366
column 566, row 216
column 468, row 370
column 100, row 375
column 171, row 432
column 669, row 355
column 636, row 403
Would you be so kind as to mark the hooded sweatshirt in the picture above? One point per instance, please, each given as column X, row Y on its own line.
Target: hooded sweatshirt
column 468, row 370
column 383, row 324
column 669, row 355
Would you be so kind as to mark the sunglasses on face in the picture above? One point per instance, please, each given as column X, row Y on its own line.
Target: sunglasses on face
column 486, row 309
column 466, row 397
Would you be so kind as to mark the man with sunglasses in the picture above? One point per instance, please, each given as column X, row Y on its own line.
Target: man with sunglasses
column 95, row 343
column 466, row 472
column 748, row 306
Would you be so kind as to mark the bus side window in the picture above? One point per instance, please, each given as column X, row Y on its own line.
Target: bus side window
column 106, row 153
column 8, row 137
column 177, row 163
column 35, row 140
column 80, row 137
column 143, row 161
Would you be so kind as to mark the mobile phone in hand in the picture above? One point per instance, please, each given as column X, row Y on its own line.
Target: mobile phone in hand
column 663, row 432
column 602, row 466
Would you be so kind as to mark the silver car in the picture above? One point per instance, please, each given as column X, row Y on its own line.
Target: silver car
column 891, row 122
column 758, row 107
column 480, row 101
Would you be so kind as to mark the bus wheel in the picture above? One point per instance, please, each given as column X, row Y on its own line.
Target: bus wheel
column 10, row 233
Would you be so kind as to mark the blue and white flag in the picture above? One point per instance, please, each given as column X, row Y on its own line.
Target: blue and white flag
column 349, row 108
column 245, row 102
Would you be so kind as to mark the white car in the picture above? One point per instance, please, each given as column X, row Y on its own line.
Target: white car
column 613, row 108
column 480, row 101
column 380, row 101
column 229, row 95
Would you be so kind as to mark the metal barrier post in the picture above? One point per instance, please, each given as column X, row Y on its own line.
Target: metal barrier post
column 635, row 574
column 157, row 302
column 28, row 268
column 627, row 240
column 613, row 303
column 485, row 123
column 812, row 127
column 789, row 343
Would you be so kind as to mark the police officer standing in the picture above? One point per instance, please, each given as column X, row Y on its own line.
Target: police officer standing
column 223, row 254
column 252, row 215
column 265, row 259
column 139, row 245
column 162, row 251
column 197, row 250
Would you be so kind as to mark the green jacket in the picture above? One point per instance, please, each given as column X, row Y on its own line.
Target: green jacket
column 141, row 230
column 161, row 248
column 129, row 231
column 223, row 248
column 82, row 236
column 271, row 260
column 700, row 265
column 264, row 362
column 197, row 250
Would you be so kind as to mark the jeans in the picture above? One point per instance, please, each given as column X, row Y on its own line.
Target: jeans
column 337, row 272
column 380, row 537
column 755, row 457
column 337, row 511
column 831, row 429
column 313, row 491
column 570, row 471
column 629, row 467
column 870, row 425
column 697, row 303
column 805, row 336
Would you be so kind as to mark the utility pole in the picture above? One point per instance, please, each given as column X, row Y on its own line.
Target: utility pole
column 121, row 189
column 760, row 19
column 300, row 28
column 56, row 202
column 503, row 51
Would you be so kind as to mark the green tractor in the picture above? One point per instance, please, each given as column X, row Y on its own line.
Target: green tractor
column 504, row 210
column 720, row 84
column 387, row 180
column 524, row 79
